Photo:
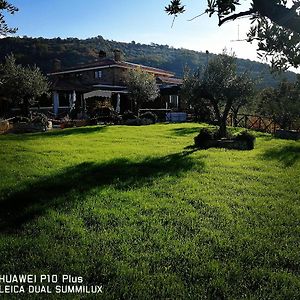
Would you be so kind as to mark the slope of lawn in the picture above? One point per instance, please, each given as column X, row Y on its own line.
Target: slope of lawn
column 138, row 211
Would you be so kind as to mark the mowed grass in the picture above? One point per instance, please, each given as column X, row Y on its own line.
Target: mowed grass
column 138, row 211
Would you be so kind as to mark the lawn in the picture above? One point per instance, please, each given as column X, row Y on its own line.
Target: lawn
column 138, row 211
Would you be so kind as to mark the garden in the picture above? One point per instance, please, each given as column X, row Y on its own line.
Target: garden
column 147, row 215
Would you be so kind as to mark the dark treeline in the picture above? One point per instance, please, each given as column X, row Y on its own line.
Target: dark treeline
column 73, row 51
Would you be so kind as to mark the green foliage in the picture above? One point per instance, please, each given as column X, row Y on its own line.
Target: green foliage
column 150, row 116
column 72, row 51
column 204, row 137
column 247, row 137
column 11, row 9
column 281, row 103
column 275, row 25
column 191, row 96
column 22, row 85
column 175, row 8
column 221, row 87
column 40, row 119
column 207, row 138
column 128, row 115
column 141, row 87
column 246, row 94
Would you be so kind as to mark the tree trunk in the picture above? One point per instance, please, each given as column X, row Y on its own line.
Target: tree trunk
column 25, row 111
column 136, row 108
column 235, row 121
column 223, row 128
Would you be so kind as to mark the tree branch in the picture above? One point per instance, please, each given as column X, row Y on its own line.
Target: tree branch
column 236, row 16
column 279, row 14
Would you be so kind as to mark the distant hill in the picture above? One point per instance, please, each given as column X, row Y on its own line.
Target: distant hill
column 73, row 51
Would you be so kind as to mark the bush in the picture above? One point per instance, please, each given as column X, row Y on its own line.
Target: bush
column 20, row 119
column 133, row 122
column 36, row 123
column 128, row 115
column 204, row 137
column 208, row 138
column 149, row 116
column 247, row 138
column 40, row 119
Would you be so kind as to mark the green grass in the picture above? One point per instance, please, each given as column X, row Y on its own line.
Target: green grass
column 137, row 210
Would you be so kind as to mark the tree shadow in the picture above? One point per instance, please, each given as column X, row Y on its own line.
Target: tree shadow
column 54, row 133
column 191, row 148
column 287, row 155
column 75, row 131
column 185, row 131
column 20, row 207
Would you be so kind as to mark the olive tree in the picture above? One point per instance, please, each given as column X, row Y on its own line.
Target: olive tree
column 4, row 28
column 275, row 25
column 21, row 85
column 281, row 103
column 141, row 87
column 191, row 95
column 246, row 86
column 220, row 87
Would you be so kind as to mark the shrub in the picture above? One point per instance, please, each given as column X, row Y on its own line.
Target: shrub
column 40, row 119
column 128, row 115
column 149, row 116
column 204, row 137
column 37, row 122
column 20, row 119
column 133, row 122
column 208, row 138
column 246, row 138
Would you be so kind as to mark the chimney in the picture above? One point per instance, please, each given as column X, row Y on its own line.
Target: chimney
column 117, row 55
column 102, row 54
column 56, row 65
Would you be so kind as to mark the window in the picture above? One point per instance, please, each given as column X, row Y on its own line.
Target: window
column 98, row 74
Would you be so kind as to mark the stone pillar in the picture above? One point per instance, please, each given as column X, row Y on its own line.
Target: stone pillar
column 72, row 100
column 118, row 106
column 55, row 99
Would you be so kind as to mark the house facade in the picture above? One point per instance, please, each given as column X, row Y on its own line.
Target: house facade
column 105, row 80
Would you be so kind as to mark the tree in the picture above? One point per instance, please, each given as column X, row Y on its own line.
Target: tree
column 224, row 88
column 246, row 86
column 5, row 6
column 141, row 86
column 191, row 95
column 195, row 93
column 281, row 103
column 276, row 26
column 21, row 85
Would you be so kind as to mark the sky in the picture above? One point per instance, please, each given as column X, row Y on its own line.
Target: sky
column 132, row 20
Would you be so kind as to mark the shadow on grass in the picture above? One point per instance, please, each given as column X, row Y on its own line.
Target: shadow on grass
column 185, row 131
column 75, row 131
column 54, row 191
column 287, row 155
column 54, row 133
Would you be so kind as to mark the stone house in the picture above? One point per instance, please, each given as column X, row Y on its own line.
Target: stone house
column 105, row 79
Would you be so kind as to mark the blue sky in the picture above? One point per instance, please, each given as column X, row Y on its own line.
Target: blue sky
column 128, row 20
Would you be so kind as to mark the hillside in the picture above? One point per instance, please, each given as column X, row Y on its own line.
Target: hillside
column 73, row 51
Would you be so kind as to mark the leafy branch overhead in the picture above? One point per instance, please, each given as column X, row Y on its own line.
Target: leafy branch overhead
column 275, row 25
column 4, row 28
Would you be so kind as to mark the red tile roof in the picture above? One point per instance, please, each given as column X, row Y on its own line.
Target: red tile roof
column 169, row 80
column 108, row 62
